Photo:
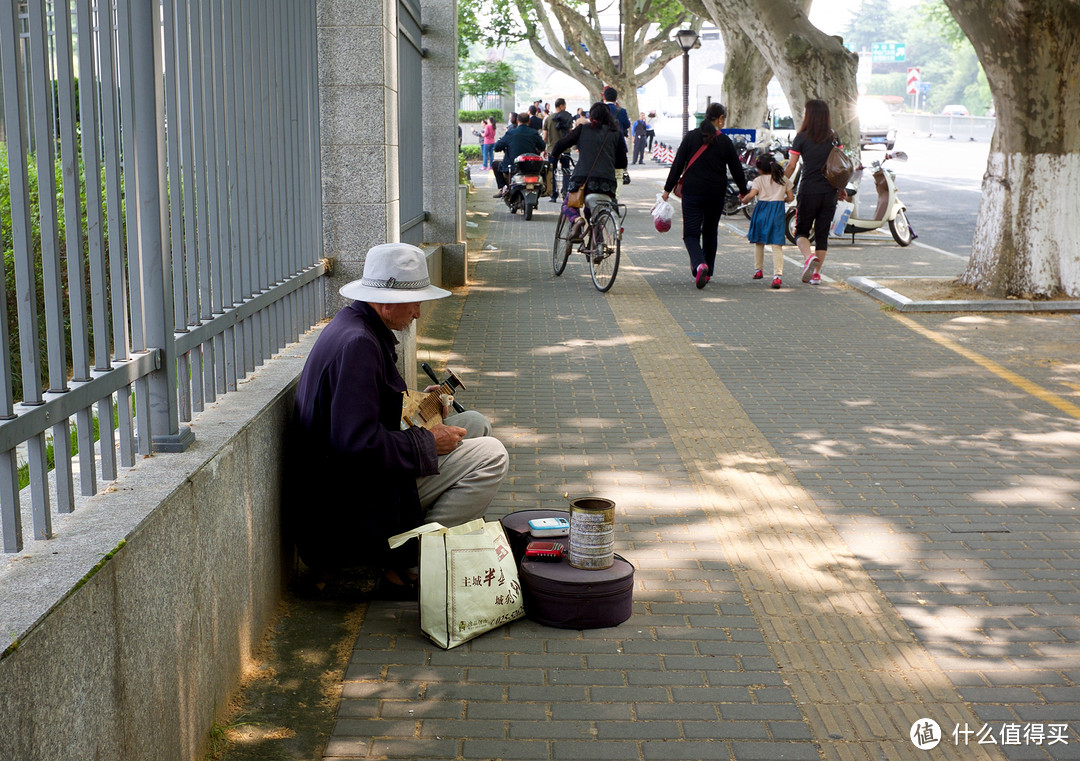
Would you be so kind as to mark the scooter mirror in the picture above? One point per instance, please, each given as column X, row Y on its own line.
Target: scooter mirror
column 899, row 156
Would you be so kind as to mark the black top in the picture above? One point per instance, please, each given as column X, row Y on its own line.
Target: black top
column 813, row 156
column 519, row 140
column 708, row 174
column 589, row 140
column 601, row 150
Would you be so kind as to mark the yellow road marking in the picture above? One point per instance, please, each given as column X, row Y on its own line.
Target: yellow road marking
column 990, row 365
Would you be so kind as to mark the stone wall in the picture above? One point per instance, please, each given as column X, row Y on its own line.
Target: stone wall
column 141, row 654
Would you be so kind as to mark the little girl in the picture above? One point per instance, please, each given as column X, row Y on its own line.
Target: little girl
column 773, row 191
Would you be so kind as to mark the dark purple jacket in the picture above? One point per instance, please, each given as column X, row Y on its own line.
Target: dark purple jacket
column 354, row 470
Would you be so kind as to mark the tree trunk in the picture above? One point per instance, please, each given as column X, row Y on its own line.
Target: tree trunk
column 746, row 81
column 808, row 62
column 576, row 45
column 1027, row 240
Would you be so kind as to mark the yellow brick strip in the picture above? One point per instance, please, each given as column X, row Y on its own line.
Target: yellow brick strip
column 854, row 667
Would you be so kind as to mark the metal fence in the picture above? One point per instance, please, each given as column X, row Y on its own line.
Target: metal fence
column 979, row 128
column 165, row 236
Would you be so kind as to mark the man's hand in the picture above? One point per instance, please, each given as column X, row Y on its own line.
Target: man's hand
column 447, row 437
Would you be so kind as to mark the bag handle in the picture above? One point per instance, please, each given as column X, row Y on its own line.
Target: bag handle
column 693, row 158
column 429, row 528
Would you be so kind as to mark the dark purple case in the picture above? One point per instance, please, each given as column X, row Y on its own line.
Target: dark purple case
column 557, row 594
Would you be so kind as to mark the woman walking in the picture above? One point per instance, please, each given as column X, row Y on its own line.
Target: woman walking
column 816, row 199
column 702, row 161
column 487, row 142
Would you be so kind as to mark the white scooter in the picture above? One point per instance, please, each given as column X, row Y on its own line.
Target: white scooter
column 888, row 209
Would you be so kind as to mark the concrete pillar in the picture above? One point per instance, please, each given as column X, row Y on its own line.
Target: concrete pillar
column 357, row 42
column 440, row 96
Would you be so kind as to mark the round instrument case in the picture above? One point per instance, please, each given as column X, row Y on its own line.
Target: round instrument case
column 557, row 594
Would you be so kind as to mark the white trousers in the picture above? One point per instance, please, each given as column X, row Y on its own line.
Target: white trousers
column 468, row 477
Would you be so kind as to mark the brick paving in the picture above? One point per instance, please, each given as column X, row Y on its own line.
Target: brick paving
column 839, row 525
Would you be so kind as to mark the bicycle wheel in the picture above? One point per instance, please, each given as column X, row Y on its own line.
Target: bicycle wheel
column 606, row 246
column 560, row 248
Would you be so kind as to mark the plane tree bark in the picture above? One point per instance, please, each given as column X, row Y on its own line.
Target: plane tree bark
column 807, row 62
column 746, row 80
column 1027, row 240
column 576, row 45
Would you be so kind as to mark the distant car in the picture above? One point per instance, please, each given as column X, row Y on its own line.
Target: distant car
column 782, row 125
column 876, row 124
column 955, row 110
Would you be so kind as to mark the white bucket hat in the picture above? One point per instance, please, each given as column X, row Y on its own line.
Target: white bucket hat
column 394, row 273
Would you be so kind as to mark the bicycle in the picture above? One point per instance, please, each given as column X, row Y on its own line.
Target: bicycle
column 599, row 238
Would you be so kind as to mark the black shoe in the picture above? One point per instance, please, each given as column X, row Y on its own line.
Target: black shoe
column 554, row 199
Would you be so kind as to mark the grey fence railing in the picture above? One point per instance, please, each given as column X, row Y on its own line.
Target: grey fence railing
column 980, row 128
column 165, row 228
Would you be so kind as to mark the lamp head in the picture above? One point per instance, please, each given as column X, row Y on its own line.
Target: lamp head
column 686, row 38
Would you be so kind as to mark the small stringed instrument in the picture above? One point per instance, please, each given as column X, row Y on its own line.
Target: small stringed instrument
column 425, row 409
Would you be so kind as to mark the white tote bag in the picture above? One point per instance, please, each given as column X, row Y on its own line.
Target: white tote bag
column 468, row 580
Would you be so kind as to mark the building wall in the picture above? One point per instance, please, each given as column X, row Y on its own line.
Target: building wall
column 358, row 87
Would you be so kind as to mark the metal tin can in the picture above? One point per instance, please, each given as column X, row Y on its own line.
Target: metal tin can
column 592, row 533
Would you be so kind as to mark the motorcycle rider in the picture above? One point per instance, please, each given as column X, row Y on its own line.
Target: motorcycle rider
column 499, row 169
column 521, row 139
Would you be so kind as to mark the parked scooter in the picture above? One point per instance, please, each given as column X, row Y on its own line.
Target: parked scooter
column 527, row 183
column 888, row 208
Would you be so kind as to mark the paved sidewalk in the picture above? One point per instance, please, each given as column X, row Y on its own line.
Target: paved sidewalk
column 843, row 520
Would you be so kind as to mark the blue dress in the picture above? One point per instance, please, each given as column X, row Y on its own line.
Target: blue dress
column 767, row 223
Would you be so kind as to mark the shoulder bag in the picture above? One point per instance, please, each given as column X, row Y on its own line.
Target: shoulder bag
column 576, row 199
column 678, row 185
column 838, row 167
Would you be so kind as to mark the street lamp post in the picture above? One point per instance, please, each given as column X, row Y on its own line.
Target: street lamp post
column 687, row 39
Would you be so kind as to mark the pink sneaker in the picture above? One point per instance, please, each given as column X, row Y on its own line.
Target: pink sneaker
column 702, row 275
column 815, row 280
column 808, row 268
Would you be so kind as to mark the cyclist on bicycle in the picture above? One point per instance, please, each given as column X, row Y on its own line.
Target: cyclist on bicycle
column 601, row 150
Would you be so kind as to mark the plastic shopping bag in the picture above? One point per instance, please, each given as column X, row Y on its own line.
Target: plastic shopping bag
column 840, row 217
column 662, row 214
column 468, row 580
